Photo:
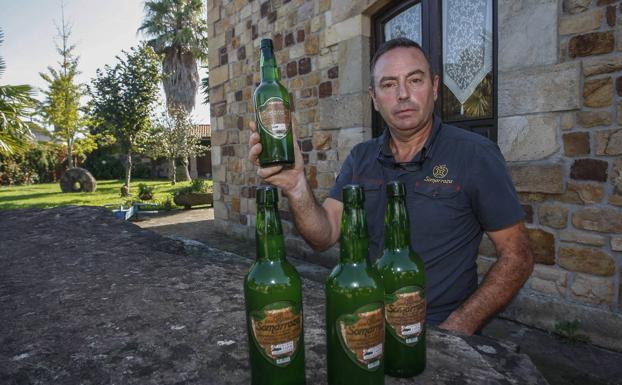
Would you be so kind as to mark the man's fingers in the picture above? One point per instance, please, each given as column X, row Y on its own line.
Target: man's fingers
column 267, row 172
column 253, row 139
column 253, row 153
column 252, row 126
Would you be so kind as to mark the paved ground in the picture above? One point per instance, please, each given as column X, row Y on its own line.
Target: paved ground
column 560, row 361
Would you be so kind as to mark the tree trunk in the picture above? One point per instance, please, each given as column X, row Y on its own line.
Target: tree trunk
column 172, row 172
column 186, row 164
column 69, row 154
column 125, row 190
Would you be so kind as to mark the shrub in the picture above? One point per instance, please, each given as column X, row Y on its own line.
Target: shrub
column 145, row 192
column 196, row 186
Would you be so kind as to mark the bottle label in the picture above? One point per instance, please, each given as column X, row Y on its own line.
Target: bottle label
column 362, row 336
column 274, row 117
column 277, row 329
column 405, row 314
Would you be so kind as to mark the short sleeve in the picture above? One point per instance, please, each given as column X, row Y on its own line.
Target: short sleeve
column 493, row 195
column 344, row 178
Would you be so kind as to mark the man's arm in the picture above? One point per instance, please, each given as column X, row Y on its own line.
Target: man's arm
column 504, row 279
column 318, row 224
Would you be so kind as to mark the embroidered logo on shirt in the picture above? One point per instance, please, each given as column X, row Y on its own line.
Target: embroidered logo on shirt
column 439, row 171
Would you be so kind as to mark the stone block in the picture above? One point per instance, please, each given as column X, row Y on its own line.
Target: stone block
column 566, row 120
column 325, row 89
column 586, row 260
column 576, row 143
column 553, row 215
column 545, row 178
column 589, row 193
column 542, row 89
column 582, row 238
column 589, row 119
column 619, row 86
column 616, row 175
column 548, row 280
column 521, row 47
column 616, row 243
column 583, row 22
column 530, row 137
column 594, row 290
column 597, row 93
column 589, row 169
column 322, row 140
column 543, row 246
column 599, row 66
column 575, row 6
column 350, row 137
column 358, row 25
column 589, row 44
column 483, row 265
column 486, row 247
column 604, row 220
column 312, row 45
column 354, row 75
column 611, row 15
column 342, row 111
column 218, row 75
column 609, row 142
column 528, row 209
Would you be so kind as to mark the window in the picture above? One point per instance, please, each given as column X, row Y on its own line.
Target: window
column 461, row 40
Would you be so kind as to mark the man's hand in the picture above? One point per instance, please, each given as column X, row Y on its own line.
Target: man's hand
column 505, row 278
column 291, row 181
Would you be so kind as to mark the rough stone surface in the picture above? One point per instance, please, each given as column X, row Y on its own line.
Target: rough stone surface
column 548, row 280
column 576, row 143
column 589, row 193
column 553, row 215
column 586, row 260
column 616, row 176
column 598, row 219
column 542, row 89
column 598, row 66
column 343, row 111
column 486, row 247
column 616, row 243
column 596, row 290
column 589, row 169
column 521, row 47
column 543, row 246
column 547, row 178
column 576, row 6
column 77, row 179
column 609, row 142
column 594, row 43
column 147, row 309
column 582, row 238
column 597, row 93
column 583, row 22
column 529, row 137
column 589, row 119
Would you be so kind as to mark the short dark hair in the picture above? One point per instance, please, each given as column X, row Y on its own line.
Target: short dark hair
column 399, row 42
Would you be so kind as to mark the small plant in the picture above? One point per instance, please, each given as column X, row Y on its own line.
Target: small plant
column 145, row 192
column 196, row 186
column 167, row 204
column 569, row 330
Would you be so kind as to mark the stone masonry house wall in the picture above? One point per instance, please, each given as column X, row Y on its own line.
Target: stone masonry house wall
column 559, row 127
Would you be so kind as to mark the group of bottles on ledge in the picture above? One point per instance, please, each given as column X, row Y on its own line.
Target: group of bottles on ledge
column 375, row 314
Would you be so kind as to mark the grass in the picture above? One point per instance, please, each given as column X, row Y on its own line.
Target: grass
column 48, row 195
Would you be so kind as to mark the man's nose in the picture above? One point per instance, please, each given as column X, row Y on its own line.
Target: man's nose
column 403, row 93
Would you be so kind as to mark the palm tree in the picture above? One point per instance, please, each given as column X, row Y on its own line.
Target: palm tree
column 178, row 31
column 17, row 106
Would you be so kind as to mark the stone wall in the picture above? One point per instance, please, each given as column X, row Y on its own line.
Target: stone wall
column 560, row 112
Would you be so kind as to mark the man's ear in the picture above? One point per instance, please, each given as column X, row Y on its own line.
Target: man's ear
column 372, row 95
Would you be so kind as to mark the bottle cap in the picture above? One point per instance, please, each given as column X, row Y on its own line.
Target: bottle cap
column 266, row 43
column 267, row 195
column 396, row 189
column 352, row 193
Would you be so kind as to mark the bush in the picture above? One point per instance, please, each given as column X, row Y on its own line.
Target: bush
column 141, row 170
column 145, row 192
column 40, row 163
column 104, row 166
column 196, row 186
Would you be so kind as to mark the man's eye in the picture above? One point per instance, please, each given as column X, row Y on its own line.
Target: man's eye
column 415, row 80
column 387, row 85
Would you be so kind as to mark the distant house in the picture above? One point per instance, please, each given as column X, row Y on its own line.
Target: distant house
column 201, row 166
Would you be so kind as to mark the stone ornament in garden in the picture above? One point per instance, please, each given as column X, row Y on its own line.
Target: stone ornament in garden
column 77, row 180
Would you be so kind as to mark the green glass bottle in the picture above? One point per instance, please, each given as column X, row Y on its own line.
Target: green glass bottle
column 273, row 113
column 354, row 303
column 403, row 276
column 273, row 298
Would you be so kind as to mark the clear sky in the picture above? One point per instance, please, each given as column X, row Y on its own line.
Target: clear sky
column 100, row 29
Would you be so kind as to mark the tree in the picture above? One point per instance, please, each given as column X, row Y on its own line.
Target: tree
column 17, row 107
column 178, row 29
column 62, row 98
column 172, row 138
column 124, row 97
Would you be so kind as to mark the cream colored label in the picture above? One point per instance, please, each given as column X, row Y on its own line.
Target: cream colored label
column 277, row 330
column 405, row 314
column 274, row 117
column 362, row 336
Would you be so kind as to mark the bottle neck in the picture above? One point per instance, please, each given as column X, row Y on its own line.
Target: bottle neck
column 396, row 225
column 267, row 62
column 354, row 239
column 269, row 234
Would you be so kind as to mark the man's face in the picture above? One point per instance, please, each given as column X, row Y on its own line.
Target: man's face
column 404, row 89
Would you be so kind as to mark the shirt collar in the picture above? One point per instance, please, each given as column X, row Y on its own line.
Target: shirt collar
column 426, row 150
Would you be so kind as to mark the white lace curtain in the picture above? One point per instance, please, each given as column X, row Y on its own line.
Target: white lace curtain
column 406, row 24
column 467, row 45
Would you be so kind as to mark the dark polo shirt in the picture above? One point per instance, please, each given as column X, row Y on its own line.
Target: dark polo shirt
column 462, row 188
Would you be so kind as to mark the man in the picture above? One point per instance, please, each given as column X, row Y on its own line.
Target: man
column 457, row 187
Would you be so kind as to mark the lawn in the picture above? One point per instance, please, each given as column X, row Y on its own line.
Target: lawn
column 108, row 193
